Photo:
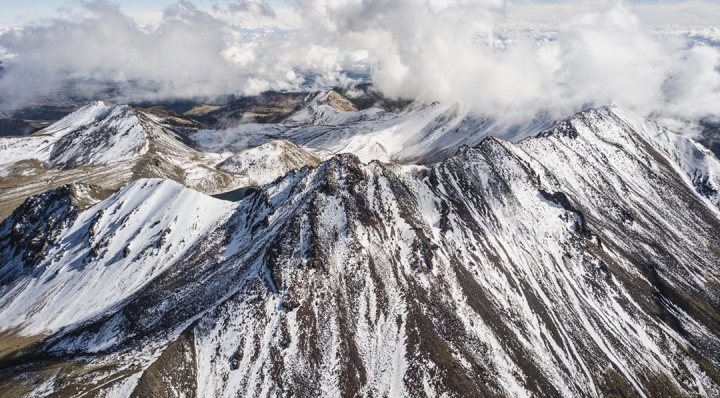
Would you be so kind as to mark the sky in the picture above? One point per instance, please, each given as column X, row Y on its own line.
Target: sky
column 17, row 12
column 687, row 13
column 506, row 59
column 655, row 12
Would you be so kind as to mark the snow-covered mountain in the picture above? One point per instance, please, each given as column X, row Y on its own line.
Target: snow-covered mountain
column 109, row 145
column 326, row 125
column 106, row 145
column 264, row 164
column 97, row 134
column 582, row 261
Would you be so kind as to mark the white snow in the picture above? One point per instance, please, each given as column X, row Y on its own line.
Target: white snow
column 95, row 134
column 266, row 163
column 364, row 251
column 147, row 226
column 421, row 134
column 98, row 134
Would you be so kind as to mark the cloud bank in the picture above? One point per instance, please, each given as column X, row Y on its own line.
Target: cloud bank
column 430, row 50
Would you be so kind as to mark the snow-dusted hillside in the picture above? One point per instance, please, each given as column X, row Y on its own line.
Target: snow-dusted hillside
column 423, row 134
column 266, row 163
column 96, row 134
column 105, row 254
column 106, row 145
column 692, row 159
column 580, row 262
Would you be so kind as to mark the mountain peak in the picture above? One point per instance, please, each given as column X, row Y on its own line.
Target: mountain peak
column 97, row 134
column 338, row 102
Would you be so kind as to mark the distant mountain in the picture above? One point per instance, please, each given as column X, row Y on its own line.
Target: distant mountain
column 105, row 145
column 580, row 261
column 268, row 107
column 15, row 127
column 420, row 134
column 274, row 107
column 263, row 164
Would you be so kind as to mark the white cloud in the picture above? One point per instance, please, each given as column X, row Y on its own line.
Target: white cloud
column 449, row 53
column 187, row 53
column 446, row 50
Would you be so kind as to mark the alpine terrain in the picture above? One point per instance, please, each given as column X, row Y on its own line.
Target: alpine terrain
column 374, row 252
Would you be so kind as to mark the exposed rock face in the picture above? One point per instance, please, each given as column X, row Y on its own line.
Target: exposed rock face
column 582, row 262
column 37, row 224
column 339, row 102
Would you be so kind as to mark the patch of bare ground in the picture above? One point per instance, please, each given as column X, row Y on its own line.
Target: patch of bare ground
column 714, row 249
column 14, row 192
column 175, row 367
column 12, row 343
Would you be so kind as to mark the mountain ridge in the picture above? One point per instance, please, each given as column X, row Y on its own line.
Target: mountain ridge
column 576, row 263
column 106, row 145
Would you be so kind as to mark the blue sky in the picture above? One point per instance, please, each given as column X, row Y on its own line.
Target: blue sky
column 682, row 12
column 14, row 12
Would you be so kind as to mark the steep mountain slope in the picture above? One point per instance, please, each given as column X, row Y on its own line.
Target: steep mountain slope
column 97, row 135
column 116, row 247
column 581, row 262
column 106, row 145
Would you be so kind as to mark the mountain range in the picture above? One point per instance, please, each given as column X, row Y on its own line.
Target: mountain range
column 417, row 252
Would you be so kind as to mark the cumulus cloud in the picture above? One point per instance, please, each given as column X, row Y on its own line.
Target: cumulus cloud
column 106, row 45
column 448, row 50
column 431, row 50
column 185, row 55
